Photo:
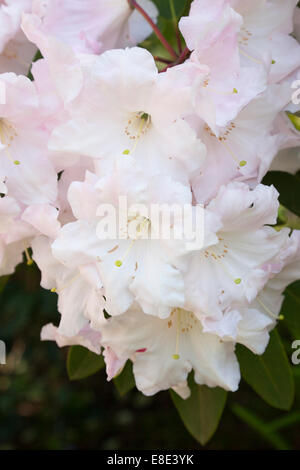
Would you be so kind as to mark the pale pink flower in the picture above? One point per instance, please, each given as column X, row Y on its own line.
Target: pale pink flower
column 15, row 235
column 18, row 226
column 138, row 113
column 86, row 337
column 133, row 267
column 230, row 270
column 245, row 148
column 93, row 26
column 165, row 351
column 29, row 174
column 221, row 87
column 16, row 52
column 265, row 36
column 79, row 290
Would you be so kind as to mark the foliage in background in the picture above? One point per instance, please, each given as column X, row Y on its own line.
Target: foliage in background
column 41, row 408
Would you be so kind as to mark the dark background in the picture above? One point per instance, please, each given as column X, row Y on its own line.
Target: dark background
column 41, row 409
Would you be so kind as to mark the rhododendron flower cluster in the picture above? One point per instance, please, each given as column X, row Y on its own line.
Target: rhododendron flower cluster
column 99, row 120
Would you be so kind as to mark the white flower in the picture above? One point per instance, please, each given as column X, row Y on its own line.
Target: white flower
column 26, row 167
column 245, row 148
column 165, row 351
column 93, row 26
column 87, row 337
column 231, row 269
column 132, row 267
column 79, row 290
column 137, row 112
column 264, row 36
column 16, row 52
column 15, row 235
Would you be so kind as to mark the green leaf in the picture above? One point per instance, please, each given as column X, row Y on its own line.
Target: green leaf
column 288, row 186
column 295, row 120
column 37, row 57
column 287, row 218
column 202, row 411
column 285, row 421
column 153, row 44
column 167, row 7
column 125, row 382
column 291, row 309
column 3, row 282
column 269, row 375
column 82, row 363
column 264, row 429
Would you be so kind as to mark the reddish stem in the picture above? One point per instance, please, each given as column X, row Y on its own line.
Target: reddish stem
column 161, row 59
column 178, row 39
column 156, row 30
column 185, row 53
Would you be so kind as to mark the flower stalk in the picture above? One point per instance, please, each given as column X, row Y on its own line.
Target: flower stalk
column 156, row 30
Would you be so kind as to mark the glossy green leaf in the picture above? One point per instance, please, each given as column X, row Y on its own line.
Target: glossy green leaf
column 291, row 309
column 153, row 44
column 3, row 282
column 167, row 8
column 125, row 382
column 202, row 411
column 82, row 363
column 288, row 186
column 295, row 120
column 265, row 430
column 287, row 218
column 37, row 57
column 269, row 375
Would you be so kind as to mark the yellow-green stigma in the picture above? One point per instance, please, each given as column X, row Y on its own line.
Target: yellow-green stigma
column 29, row 260
column 243, row 163
column 17, row 162
column 145, row 116
column 126, row 152
column 118, row 263
column 273, row 62
column 281, row 317
column 238, row 281
column 53, row 290
column 235, row 90
column 176, row 357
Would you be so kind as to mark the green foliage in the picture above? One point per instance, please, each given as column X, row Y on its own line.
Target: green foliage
column 287, row 218
column 291, row 309
column 269, row 375
column 41, row 409
column 170, row 12
column 202, row 411
column 82, row 363
column 295, row 119
column 37, row 57
column 154, row 45
column 288, row 186
column 125, row 382
column 266, row 430
column 172, row 8
column 3, row 282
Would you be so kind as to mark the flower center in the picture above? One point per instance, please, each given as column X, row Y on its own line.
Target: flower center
column 7, row 136
column 223, row 140
column 138, row 228
column 137, row 126
column 217, row 254
column 184, row 321
column 244, row 36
